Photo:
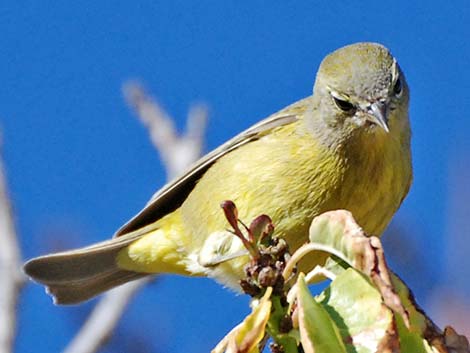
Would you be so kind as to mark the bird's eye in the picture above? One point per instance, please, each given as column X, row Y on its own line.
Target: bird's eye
column 345, row 106
column 397, row 88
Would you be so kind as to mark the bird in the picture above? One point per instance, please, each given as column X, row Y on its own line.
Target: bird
column 346, row 146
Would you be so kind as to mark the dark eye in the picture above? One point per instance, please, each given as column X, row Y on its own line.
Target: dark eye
column 345, row 106
column 397, row 88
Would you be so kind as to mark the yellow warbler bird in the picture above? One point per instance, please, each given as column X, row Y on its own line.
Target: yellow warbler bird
column 345, row 147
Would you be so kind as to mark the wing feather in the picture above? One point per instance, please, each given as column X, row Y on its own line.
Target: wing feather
column 173, row 194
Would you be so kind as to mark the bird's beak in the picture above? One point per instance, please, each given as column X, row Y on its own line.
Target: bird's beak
column 378, row 114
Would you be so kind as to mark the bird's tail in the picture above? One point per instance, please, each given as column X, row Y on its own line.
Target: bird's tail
column 74, row 276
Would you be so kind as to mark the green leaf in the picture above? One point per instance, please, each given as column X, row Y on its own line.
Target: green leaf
column 418, row 321
column 364, row 321
column 341, row 235
column 318, row 332
column 338, row 233
column 411, row 341
column 421, row 327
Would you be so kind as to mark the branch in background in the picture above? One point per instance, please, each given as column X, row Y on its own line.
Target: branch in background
column 11, row 277
column 103, row 319
column 177, row 153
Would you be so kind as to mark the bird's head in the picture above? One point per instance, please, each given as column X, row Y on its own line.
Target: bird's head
column 361, row 88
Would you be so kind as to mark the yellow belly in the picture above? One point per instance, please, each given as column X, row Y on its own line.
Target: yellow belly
column 287, row 176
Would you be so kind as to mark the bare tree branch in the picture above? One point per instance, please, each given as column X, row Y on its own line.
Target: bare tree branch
column 103, row 319
column 177, row 153
column 11, row 277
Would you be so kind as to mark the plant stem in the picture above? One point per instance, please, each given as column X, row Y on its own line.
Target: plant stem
column 287, row 341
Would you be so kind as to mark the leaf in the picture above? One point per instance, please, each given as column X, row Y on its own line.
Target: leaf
column 261, row 227
column 344, row 237
column 246, row 336
column 362, row 300
column 231, row 212
column 364, row 322
column 340, row 235
column 423, row 332
column 318, row 332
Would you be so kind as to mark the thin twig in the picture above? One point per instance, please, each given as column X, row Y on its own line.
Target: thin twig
column 11, row 277
column 177, row 153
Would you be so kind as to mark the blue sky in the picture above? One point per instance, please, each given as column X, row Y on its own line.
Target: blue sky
column 80, row 164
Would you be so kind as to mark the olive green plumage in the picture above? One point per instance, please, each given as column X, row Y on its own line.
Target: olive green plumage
column 345, row 147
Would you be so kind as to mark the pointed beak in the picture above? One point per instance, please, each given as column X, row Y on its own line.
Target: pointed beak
column 378, row 114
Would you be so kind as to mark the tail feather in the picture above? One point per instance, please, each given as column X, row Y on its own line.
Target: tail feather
column 77, row 292
column 78, row 275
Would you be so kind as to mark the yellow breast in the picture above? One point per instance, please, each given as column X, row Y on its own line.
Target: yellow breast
column 289, row 176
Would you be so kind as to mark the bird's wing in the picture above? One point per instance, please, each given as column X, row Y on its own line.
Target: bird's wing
column 172, row 195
